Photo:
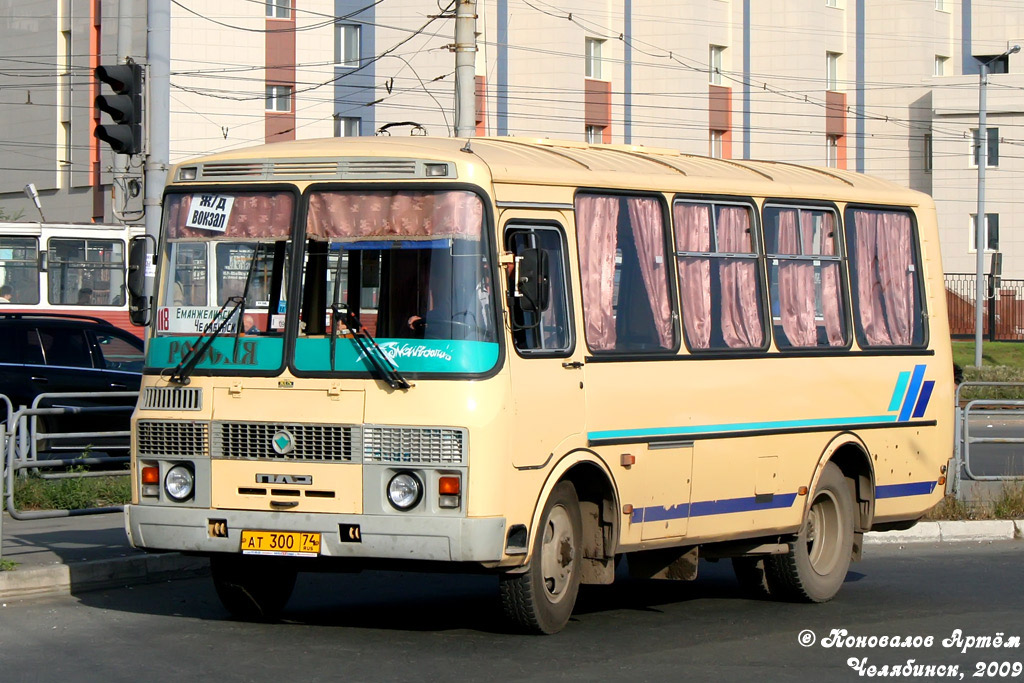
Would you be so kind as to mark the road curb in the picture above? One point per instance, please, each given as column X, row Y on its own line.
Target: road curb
column 951, row 532
column 63, row 579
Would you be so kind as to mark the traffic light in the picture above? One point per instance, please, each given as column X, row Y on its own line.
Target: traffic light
column 124, row 107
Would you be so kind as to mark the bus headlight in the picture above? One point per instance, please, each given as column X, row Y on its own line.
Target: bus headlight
column 179, row 482
column 404, row 491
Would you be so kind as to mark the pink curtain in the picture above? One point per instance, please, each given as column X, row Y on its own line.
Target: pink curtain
column 885, row 284
column 409, row 215
column 693, row 233
column 596, row 223
column 831, row 301
column 264, row 215
column 796, row 280
column 649, row 234
column 741, row 310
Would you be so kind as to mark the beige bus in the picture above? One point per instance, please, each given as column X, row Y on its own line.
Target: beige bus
column 533, row 358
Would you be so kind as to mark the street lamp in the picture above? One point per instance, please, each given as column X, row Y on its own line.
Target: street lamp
column 980, row 223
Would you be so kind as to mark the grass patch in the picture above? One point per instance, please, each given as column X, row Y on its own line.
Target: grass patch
column 8, row 566
column 35, row 493
column 1008, row 505
column 1001, row 362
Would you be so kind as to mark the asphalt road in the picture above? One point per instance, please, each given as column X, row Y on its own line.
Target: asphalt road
column 380, row 626
column 997, row 458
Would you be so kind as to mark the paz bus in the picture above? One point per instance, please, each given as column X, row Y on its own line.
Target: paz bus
column 531, row 358
column 69, row 268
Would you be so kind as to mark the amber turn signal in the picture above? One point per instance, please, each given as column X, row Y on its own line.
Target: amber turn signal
column 449, row 486
column 150, row 475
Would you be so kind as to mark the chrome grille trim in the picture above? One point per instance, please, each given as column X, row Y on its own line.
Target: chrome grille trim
column 312, row 442
column 172, row 438
column 172, row 398
column 414, row 445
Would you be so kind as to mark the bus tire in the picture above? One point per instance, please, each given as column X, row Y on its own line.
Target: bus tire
column 541, row 600
column 751, row 575
column 815, row 567
column 250, row 589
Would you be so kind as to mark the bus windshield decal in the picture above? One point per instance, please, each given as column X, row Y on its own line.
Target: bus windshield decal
column 408, row 355
column 209, row 212
column 249, row 354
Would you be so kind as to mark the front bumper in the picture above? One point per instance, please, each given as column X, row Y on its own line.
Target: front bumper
column 440, row 539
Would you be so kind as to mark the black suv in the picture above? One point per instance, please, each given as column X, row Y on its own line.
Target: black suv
column 55, row 353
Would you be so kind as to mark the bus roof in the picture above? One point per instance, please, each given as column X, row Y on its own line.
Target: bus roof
column 533, row 161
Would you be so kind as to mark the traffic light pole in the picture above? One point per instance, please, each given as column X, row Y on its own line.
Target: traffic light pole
column 158, row 111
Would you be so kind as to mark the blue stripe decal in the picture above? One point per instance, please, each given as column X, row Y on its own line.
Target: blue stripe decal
column 658, row 513
column 917, row 488
column 922, row 401
column 739, row 427
column 899, row 392
column 915, row 387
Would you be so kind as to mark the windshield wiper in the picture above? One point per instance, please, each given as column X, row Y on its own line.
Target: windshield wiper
column 180, row 374
column 371, row 349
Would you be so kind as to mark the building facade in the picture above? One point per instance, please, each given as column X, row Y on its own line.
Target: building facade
column 886, row 88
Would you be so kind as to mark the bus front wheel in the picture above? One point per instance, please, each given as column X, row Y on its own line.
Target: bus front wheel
column 541, row 600
column 815, row 567
column 252, row 589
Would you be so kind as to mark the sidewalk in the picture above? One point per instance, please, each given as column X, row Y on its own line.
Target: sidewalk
column 77, row 554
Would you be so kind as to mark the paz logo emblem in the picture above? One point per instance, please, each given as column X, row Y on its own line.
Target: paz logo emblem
column 283, row 442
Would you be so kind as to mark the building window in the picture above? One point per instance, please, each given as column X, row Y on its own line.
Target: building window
column 279, row 9
column 940, row 65
column 346, row 44
column 715, row 144
column 995, row 64
column 992, row 153
column 595, row 135
column 940, row 5
column 991, row 232
column 279, row 98
column 832, row 151
column 593, row 55
column 832, row 71
column 928, row 152
column 346, row 126
column 831, row 3
column 715, row 64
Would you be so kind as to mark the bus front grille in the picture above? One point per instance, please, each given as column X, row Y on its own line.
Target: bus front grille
column 172, row 438
column 278, row 441
column 172, row 398
column 414, row 445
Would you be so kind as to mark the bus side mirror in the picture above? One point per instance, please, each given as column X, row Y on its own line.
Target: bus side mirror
column 139, row 259
column 532, row 283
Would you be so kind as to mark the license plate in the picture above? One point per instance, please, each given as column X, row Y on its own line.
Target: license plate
column 285, row 543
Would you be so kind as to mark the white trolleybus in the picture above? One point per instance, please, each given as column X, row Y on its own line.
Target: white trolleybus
column 531, row 358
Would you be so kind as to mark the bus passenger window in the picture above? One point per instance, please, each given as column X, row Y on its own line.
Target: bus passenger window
column 887, row 302
column 719, row 282
column 803, row 270
column 19, row 269
column 546, row 331
column 624, row 273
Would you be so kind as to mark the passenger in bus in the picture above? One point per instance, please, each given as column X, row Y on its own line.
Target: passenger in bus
column 6, row 294
column 84, row 297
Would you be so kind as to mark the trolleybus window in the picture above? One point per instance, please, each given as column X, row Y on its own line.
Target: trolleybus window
column 86, row 272
column 20, row 270
column 719, row 281
column 804, row 272
column 884, row 270
column 623, row 273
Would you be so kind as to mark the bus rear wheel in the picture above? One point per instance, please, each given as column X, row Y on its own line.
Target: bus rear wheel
column 815, row 567
column 252, row 589
column 541, row 600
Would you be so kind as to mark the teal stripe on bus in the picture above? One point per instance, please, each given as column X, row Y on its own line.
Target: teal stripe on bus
column 739, row 427
column 897, row 394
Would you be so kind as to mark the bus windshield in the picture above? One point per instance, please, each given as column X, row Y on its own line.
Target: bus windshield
column 223, row 248
column 413, row 268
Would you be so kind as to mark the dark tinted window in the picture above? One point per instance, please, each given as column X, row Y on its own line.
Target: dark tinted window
column 65, row 347
column 118, row 352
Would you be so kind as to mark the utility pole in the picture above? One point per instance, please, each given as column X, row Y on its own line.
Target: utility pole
column 465, row 68
column 158, row 49
column 980, row 223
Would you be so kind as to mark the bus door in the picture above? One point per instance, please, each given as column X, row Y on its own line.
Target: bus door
column 546, row 363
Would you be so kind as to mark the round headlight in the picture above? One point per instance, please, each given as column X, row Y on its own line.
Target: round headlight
column 179, row 482
column 404, row 491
